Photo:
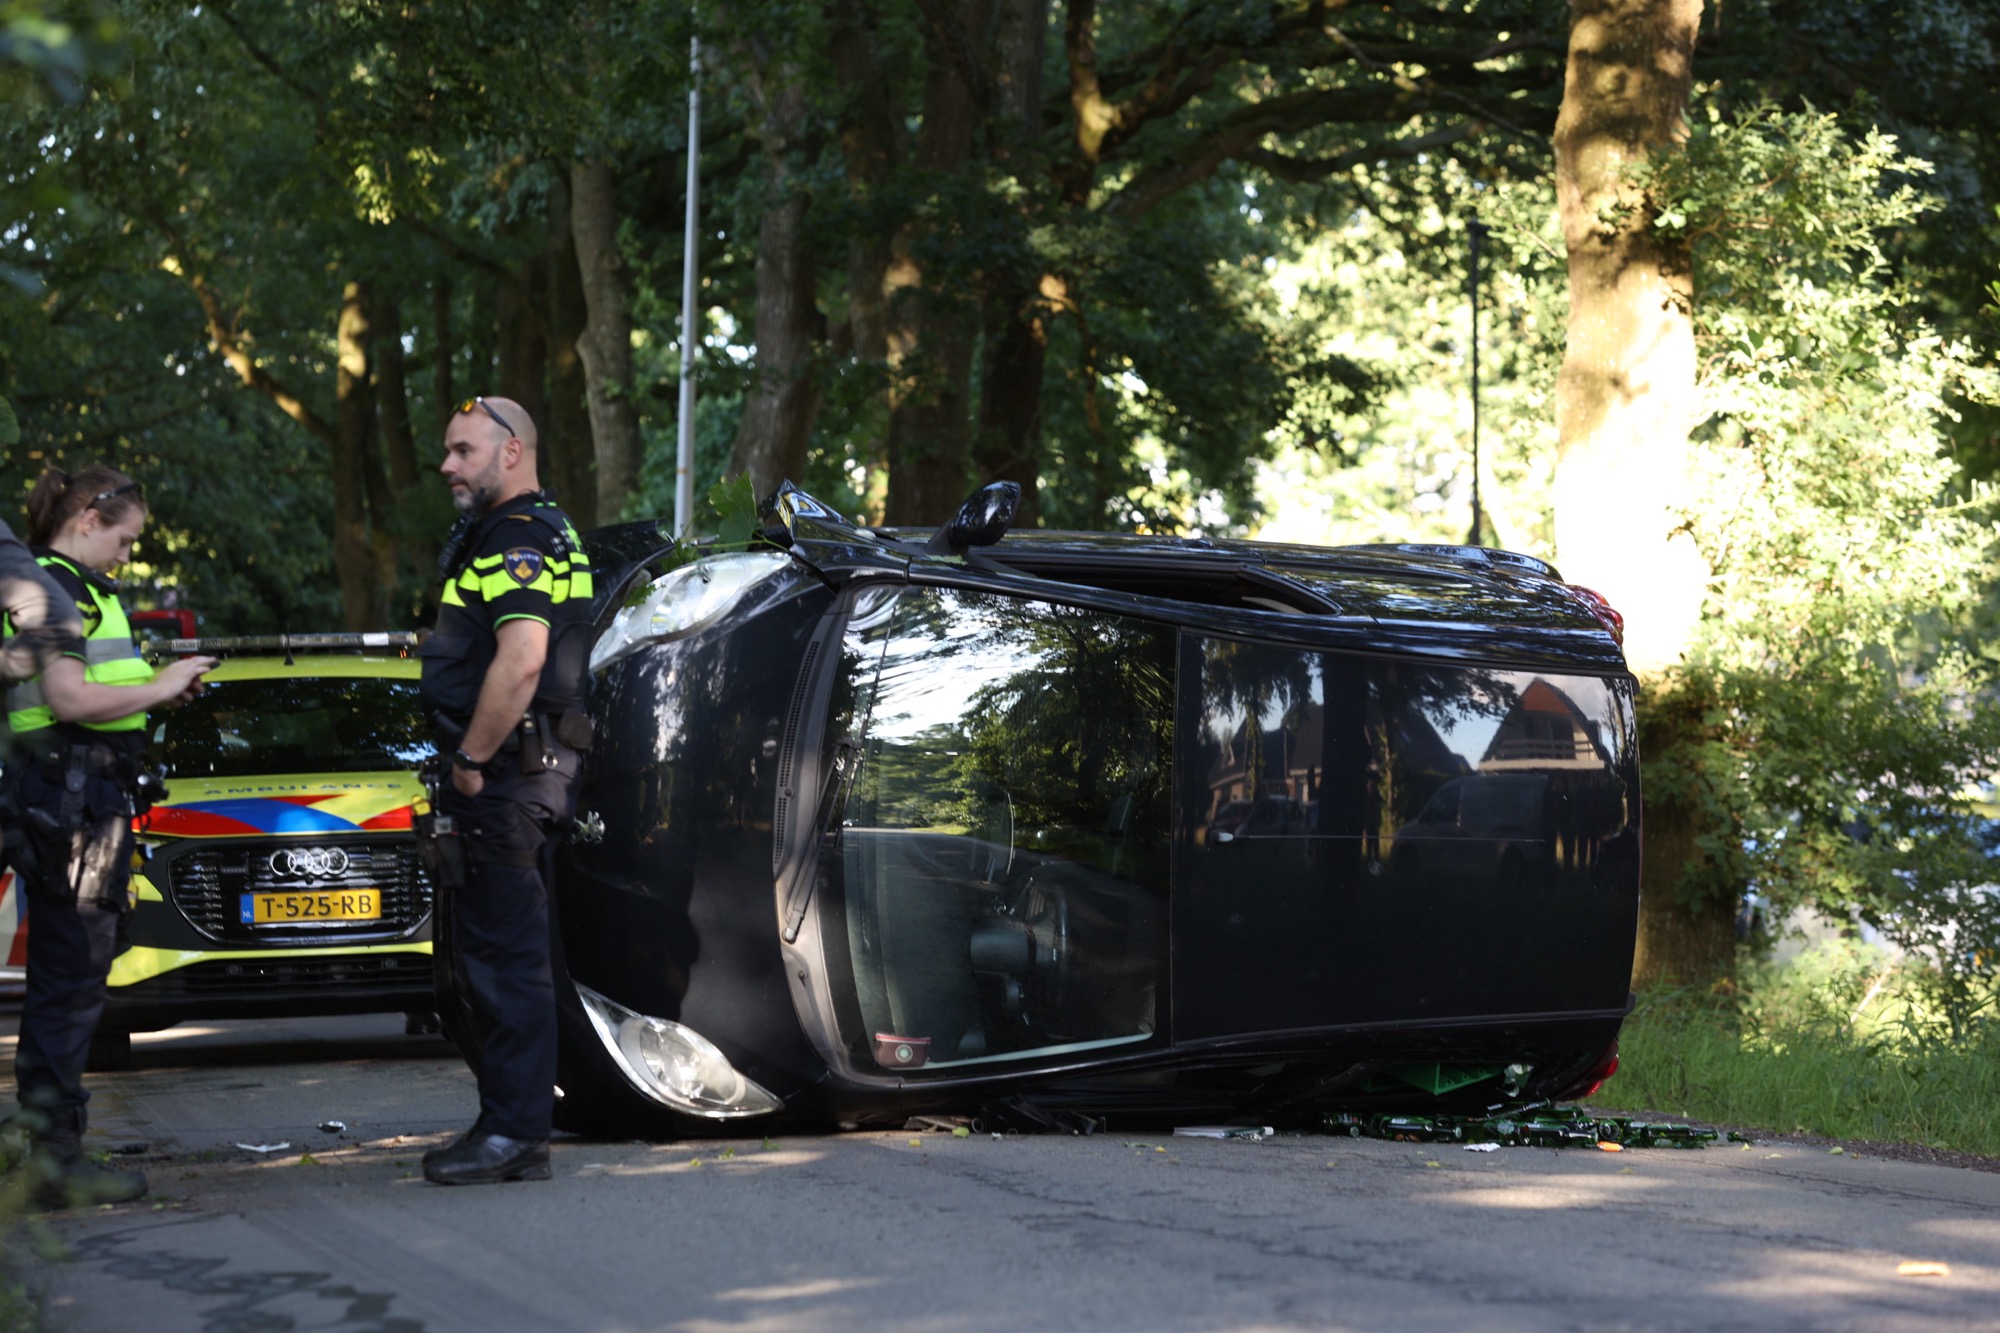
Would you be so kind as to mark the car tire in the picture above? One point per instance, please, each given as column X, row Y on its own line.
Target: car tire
column 110, row 1051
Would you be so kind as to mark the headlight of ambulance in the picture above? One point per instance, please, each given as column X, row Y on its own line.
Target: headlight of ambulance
column 672, row 1064
column 683, row 601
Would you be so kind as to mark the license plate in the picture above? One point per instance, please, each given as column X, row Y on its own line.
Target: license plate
column 296, row 909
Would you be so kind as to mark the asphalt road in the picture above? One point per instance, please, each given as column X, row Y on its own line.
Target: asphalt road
column 927, row 1233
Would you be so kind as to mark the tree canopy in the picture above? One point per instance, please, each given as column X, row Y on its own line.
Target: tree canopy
column 1179, row 265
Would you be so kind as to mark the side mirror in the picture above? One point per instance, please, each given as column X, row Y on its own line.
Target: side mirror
column 981, row 521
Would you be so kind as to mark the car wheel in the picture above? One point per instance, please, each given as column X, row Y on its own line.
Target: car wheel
column 110, row 1050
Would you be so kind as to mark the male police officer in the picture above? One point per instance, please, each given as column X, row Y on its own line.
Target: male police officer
column 503, row 677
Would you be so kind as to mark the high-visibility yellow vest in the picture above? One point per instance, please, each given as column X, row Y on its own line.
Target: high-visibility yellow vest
column 110, row 657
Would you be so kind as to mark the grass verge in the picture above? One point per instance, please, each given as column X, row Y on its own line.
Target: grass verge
column 1842, row 1042
column 18, row 1241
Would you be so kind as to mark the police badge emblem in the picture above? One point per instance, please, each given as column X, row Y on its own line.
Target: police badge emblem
column 524, row 563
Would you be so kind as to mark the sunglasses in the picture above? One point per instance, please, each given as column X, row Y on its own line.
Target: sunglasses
column 481, row 404
column 129, row 488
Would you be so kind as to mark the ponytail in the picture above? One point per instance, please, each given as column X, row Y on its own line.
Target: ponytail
column 59, row 497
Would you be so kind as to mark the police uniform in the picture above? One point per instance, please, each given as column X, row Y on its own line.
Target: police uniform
column 521, row 559
column 72, row 788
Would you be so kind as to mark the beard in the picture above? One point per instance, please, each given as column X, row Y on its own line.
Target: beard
column 479, row 491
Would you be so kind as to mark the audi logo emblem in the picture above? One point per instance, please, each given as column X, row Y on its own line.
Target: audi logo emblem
column 309, row 862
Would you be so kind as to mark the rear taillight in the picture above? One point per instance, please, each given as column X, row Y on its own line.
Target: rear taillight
column 1589, row 1082
column 1607, row 615
column 1598, row 1076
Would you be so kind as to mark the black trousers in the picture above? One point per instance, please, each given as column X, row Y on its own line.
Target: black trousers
column 69, row 954
column 500, row 921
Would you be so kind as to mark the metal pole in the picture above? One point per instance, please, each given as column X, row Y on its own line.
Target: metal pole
column 690, row 256
column 1475, row 233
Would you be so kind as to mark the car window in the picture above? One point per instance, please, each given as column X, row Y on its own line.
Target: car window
column 1469, row 811
column 1004, row 846
column 248, row 728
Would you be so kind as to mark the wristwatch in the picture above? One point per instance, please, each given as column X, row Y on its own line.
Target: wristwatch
column 460, row 759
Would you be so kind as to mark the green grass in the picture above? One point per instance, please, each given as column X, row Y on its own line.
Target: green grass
column 21, row 1238
column 1840, row 1042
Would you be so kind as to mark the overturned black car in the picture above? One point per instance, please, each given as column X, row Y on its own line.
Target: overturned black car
column 1038, row 826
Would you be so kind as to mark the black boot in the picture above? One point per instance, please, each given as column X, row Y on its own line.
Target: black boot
column 62, row 1176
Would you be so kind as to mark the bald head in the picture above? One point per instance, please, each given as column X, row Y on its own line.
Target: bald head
column 489, row 454
column 522, row 426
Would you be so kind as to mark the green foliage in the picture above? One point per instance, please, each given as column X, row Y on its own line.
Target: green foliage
column 1838, row 727
column 1844, row 1042
column 48, row 48
column 1387, row 290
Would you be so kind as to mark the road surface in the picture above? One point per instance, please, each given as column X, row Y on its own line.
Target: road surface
column 929, row 1233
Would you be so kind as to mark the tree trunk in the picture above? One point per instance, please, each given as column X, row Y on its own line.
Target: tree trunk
column 932, row 328
column 771, row 440
column 482, row 337
column 1680, row 942
column 392, row 399
column 1008, row 445
column 1687, row 903
column 443, row 348
column 393, row 510
column 524, row 345
column 354, row 422
column 1623, row 404
column 872, row 143
column 1626, row 388
column 606, row 344
column 568, row 460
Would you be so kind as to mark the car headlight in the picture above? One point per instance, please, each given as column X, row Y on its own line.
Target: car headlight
column 674, row 1064
column 684, row 600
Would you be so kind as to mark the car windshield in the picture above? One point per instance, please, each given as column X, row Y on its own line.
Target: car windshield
column 294, row 724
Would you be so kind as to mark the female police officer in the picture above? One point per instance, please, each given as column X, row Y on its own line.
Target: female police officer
column 75, row 777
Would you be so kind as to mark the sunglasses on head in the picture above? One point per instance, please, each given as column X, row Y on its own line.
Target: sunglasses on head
column 481, row 404
column 129, row 488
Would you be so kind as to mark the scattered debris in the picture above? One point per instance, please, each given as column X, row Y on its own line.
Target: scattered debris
column 1223, row 1132
column 130, row 1149
column 1022, row 1115
column 1537, row 1124
column 264, row 1147
column 1474, row 1147
column 1922, row 1268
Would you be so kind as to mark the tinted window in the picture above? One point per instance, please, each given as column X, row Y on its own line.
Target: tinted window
column 1377, row 840
column 247, row 728
column 1004, row 846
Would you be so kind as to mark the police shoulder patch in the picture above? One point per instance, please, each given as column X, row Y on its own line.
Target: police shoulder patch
column 524, row 563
